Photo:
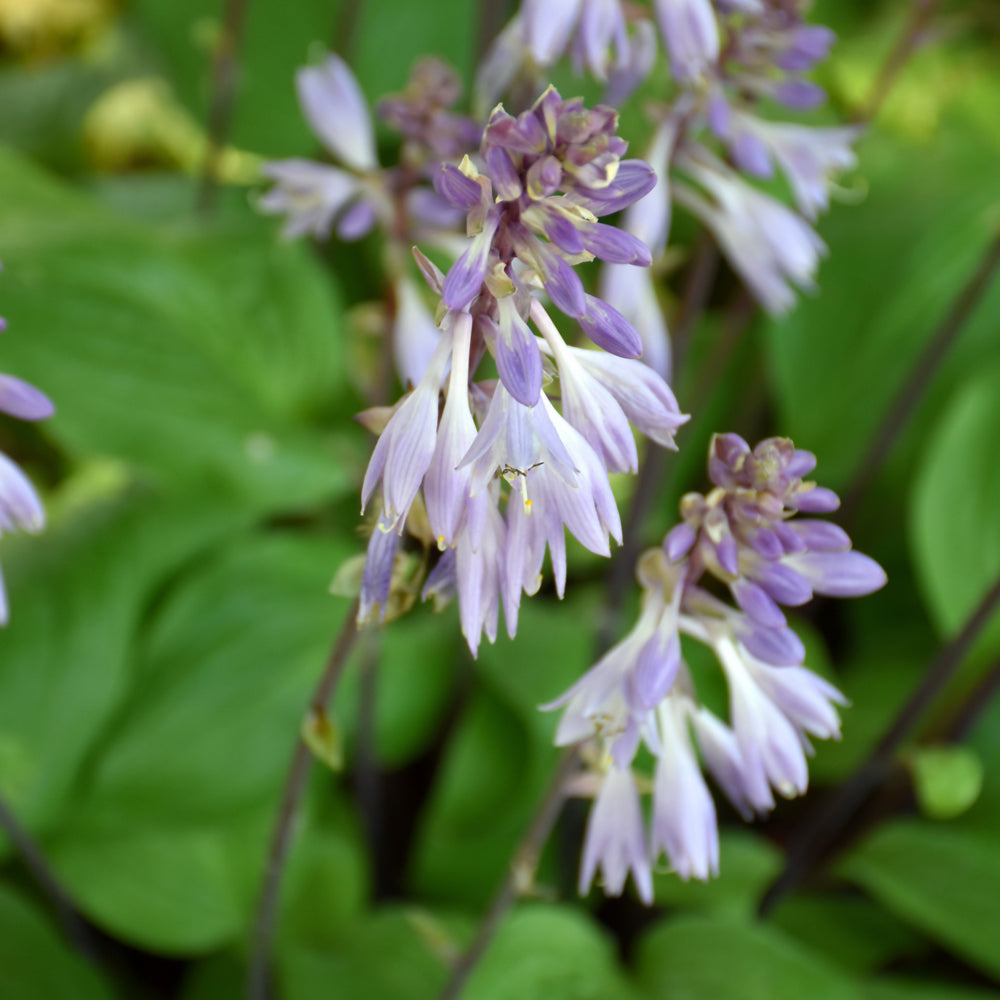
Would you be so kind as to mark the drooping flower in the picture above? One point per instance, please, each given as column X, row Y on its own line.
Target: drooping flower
column 503, row 472
column 642, row 692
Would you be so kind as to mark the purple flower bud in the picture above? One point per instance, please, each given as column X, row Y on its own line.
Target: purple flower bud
column 679, row 541
column 782, row 583
column 336, row 110
column 751, row 155
column 839, row 574
column 634, row 180
column 376, row 578
column 503, row 174
column 820, row 536
column 778, row 646
column 656, row 668
column 457, row 188
column 607, row 328
column 543, row 177
column 814, row 500
column 615, row 245
column 801, row 95
column 465, row 277
column 757, row 603
column 519, row 362
column 22, row 400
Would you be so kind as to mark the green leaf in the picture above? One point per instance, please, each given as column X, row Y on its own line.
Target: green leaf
column 543, row 950
column 747, row 865
column 77, row 595
column 483, row 796
column 954, row 528
column 691, row 958
column 168, row 889
column 943, row 881
column 225, row 674
column 912, row 988
column 414, row 660
column 946, row 780
column 35, row 963
column 385, row 957
column 839, row 359
column 859, row 935
column 155, row 356
column 277, row 39
column 393, row 34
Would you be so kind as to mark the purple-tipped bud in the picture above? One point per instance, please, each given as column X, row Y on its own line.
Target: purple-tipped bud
column 22, row 400
column 679, row 541
column 543, row 178
column 801, row 95
column 519, row 362
column 814, row 500
column 757, row 604
column 457, row 188
column 609, row 329
column 839, row 574
column 506, row 181
column 751, row 156
column 783, row 583
column 615, row 245
column 376, row 578
column 820, row 536
column 780, row 647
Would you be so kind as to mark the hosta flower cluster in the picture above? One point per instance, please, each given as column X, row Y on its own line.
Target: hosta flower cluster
column 742, row 536
column 726, row 58
column 532, row 207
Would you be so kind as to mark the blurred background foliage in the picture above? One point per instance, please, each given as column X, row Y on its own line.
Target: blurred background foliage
column 201, row 478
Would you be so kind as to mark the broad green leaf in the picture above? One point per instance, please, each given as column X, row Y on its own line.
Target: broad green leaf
column 168, row 889
column 294, row 361
column 77, row 594
column 747, row 865
column 277, row 39
column 489, row 782
column 954, row 528
column 393, row 34
column 224, row 678
column 542, row 950
column 946, row 780
column 415, row 660
column 385, row 957
column 853, row 931
column 35, row 963
column 942, row 880
column 913, row 988
column 839, row 359
column 691, row 958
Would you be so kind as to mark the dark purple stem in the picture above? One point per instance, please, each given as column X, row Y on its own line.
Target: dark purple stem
column 281, row 839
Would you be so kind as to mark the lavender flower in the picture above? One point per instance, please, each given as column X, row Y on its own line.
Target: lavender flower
column 20, row 507
column 641, row 691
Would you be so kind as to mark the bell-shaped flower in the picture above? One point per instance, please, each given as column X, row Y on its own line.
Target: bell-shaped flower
column 615, row 840
column 684, row 823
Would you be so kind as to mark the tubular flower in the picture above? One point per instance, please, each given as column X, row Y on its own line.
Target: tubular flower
column 641, row 692
column 532, row 215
